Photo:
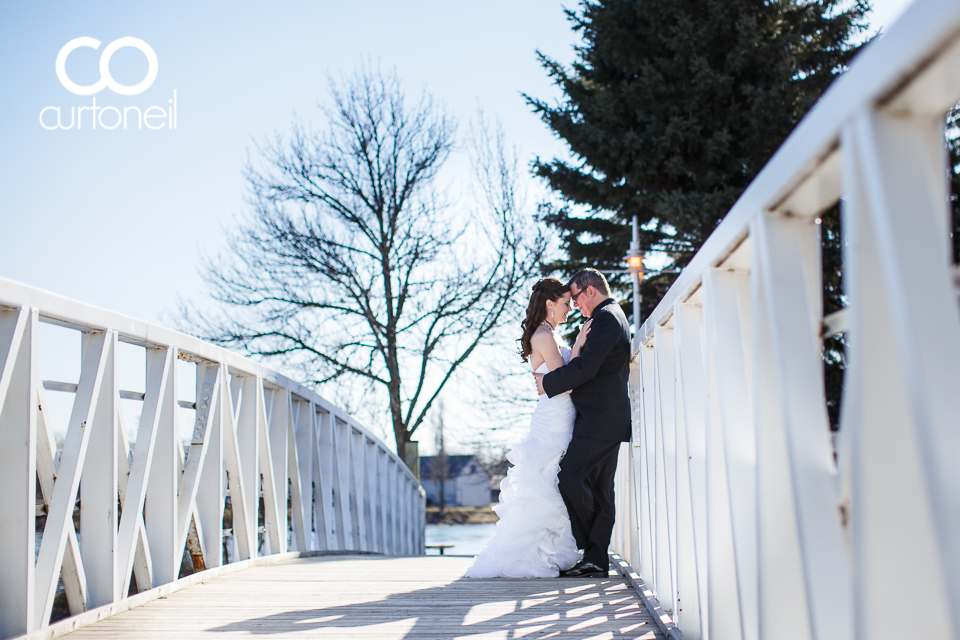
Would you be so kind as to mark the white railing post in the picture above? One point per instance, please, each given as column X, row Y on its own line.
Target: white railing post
column 421, row 515
column 666, row 475
column 19, row 385
column 98, row 506
column 277, row 432
column 324, row 477
column 372, row 483
column 345, row 501
column 632, row 553
column 245, row 397
column 358, row 489
column 805, row 582
column 300, row 470
column 646, row 503
column 901, row 392
column 241, row 484
column 212, row 492
column 160, row 500
column 383, row 470
column 319, row 484
column 688, row 324
column 619, row 535
column 731, row 458
column 275, row 532
column 687, row 612
column 396, row 483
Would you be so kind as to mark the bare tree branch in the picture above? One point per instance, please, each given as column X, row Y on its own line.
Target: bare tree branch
column 351, row 264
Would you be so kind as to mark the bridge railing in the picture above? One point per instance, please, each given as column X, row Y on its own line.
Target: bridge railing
column 294, row 471
column 742, row 512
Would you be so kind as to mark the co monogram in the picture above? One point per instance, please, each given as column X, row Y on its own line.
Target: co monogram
column 106, row 80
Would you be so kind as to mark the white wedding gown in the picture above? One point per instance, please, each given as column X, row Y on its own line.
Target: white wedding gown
column 533, row 537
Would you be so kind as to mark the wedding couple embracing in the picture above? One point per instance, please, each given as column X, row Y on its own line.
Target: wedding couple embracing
column 556, row 504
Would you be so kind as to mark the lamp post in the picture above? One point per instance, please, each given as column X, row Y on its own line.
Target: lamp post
column 634, row 260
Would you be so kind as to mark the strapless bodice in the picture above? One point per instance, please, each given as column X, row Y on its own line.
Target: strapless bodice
column 543, row 368
column 564, row 353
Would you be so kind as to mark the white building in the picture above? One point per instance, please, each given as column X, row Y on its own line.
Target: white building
column 465, row 483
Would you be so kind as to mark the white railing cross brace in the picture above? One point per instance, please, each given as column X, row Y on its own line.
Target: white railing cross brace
column 254, row 433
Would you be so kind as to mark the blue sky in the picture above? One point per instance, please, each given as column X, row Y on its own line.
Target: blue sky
column 119, row 218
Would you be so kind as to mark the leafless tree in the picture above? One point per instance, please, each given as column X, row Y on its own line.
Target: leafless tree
column 353, row 265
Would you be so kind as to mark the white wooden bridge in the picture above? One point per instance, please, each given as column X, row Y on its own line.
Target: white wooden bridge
column 742, row 516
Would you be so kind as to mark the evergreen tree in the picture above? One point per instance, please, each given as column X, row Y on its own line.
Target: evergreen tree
column 671, row 109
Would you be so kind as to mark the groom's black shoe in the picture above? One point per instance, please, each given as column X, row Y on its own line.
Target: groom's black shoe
column 584, row 569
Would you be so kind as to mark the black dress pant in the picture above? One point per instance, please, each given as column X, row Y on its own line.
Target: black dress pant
column 586, row 484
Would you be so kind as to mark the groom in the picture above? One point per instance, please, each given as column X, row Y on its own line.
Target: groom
column 598, row 379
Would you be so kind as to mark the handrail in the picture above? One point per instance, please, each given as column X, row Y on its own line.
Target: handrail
column 803, row 176
column 745, row 516
column 324, row 480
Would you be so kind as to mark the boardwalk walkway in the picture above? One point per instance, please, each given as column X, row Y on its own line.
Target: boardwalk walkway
column 383, row 598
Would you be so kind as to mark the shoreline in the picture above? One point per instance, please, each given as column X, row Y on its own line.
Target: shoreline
column 462, row 515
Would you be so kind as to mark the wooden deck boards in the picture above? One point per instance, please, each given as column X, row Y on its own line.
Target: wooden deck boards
column 384, row 598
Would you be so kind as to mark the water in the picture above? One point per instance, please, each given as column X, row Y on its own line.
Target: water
column 468, row 539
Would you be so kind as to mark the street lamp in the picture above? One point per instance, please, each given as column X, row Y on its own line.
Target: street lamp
column 634, row 260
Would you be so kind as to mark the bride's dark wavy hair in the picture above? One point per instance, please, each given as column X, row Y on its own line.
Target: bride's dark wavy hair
column 545, row 289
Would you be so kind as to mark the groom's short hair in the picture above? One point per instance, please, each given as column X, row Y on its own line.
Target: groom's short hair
column 590, row 278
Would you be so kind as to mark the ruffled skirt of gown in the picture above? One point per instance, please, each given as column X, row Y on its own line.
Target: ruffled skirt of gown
column 533, row 537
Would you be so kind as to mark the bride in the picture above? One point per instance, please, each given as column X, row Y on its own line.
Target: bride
column 533, row 537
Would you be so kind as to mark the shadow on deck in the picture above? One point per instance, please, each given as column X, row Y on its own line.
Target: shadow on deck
column 383, row 598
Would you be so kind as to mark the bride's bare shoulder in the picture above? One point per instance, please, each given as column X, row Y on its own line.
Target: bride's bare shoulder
column 544, row 344
column 541, row 336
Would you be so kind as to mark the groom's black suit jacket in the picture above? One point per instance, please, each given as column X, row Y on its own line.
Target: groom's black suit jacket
column 598, row 377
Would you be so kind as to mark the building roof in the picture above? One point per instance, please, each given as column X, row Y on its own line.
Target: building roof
column 456, row 465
